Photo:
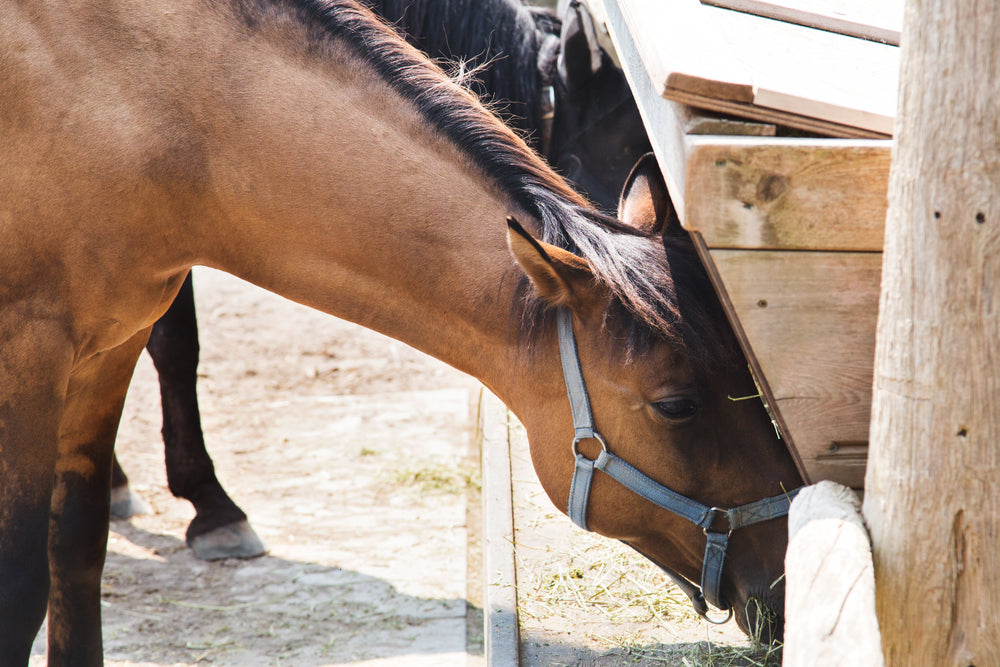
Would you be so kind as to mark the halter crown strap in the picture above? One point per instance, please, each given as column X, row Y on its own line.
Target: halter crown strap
column 579, row 400
column 618, row 469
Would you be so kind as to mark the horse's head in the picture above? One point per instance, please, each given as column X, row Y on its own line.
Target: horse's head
column 597, row 134
column 663, row 418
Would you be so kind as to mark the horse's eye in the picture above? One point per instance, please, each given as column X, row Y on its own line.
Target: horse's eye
column 677, row 409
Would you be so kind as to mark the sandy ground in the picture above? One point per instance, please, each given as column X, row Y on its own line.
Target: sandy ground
column 351, row 454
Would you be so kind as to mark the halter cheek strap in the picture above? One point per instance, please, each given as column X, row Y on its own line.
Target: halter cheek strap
column 618, row 469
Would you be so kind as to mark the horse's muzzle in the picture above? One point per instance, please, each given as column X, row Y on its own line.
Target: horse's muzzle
column 761, row 617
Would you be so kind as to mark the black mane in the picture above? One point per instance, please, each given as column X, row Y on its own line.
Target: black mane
column 504, row 34
column 659, row 289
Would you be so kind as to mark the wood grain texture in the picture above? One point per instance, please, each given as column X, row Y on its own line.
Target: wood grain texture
column 934, row 466
column 829, row 582
column 792, row 194
column 809, row 321
column 763, row 388
column 814, row 73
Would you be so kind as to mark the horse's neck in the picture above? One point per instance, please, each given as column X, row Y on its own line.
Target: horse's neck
column 335, row 194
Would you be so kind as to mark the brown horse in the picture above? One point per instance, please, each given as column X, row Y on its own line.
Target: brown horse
column 301, row 145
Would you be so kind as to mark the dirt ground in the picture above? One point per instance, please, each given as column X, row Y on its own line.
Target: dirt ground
column 353, row 456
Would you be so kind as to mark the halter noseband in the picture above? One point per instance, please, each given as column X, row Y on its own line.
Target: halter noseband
column 702, row 516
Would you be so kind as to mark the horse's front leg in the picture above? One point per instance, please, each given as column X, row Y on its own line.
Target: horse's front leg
column 78, row 524
column 35, row 362
column 219, row 528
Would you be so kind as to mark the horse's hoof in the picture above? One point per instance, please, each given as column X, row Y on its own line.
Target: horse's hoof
column 126, row 503
column 236, row 540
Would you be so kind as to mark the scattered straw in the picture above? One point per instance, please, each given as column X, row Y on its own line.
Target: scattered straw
column 620, row 602
column 435, row 477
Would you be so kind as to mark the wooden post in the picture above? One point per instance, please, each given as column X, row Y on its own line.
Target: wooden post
column 829, row 583
column 500, row 624
column 932, row 500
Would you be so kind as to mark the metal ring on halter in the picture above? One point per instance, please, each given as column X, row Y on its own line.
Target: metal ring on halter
column 714, row 512
column 596, row 436
column 729, row 616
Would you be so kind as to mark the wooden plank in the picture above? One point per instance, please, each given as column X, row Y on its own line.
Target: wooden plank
column 695, row 52
column 776, row 116
column 805, row 194
column 830, row 417
column 829, row 582
column 500, row 603
column 808, row 320
column 880, row 21
column 670, row 36
column 699, row 121
column 814, row 73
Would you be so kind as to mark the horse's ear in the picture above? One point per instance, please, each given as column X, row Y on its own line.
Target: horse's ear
column 560, row 277
column 580, row 56
column 645, row 202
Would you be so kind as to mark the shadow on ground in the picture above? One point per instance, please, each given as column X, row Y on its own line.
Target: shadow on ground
column 271, row 611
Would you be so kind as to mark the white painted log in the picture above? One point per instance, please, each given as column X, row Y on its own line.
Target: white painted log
column 829, row 582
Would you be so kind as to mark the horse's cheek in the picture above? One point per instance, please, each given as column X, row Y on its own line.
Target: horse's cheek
column 553, row 462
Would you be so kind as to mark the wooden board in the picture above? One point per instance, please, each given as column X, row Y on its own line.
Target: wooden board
column 670, row 36
column 778, row 117
column 500, row 576
column 878, row 20
column 760, row 68
column 808, row 319
column 790, row 194
column 700, row 121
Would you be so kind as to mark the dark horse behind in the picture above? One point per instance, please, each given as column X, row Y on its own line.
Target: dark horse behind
column 548, row 78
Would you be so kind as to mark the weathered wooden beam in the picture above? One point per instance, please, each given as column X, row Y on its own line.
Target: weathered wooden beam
column 934, row 465
column 829, row 582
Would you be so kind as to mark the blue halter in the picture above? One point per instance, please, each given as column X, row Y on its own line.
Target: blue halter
column 702, row 516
